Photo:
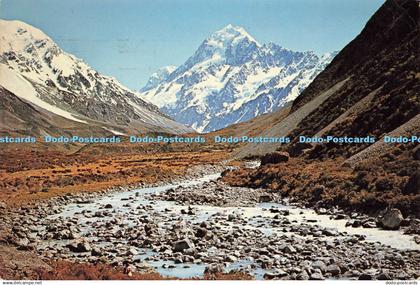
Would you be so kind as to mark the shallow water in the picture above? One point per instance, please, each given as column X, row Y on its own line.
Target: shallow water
column 254, row 215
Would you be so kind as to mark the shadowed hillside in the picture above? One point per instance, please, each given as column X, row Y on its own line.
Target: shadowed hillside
column 371, row 89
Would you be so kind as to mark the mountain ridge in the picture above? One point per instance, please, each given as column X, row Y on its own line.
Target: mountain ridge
column 231, row 78
column 35, row 68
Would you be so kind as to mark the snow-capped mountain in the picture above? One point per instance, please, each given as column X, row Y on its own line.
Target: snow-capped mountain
column 158, row 77
column 34, row 68
column 232, row 78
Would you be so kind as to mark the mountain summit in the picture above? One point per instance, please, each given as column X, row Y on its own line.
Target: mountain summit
column 227, row 44
column 231, row 78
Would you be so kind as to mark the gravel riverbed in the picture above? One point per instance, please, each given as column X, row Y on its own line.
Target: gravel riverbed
column 188, row 227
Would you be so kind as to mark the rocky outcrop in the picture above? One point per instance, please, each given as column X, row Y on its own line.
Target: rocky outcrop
column 275, row 157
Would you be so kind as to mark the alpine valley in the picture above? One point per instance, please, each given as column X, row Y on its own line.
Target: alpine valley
column 232, row 78
column 282, row 210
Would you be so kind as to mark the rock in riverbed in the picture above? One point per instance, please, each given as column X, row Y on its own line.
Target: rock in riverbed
column 80, row 246
column 392, row 219
column 182, row 245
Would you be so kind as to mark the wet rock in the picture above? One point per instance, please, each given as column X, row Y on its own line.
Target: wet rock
column 81, row 246
column 321, row 211
column 340, row 217
column 303, row 275
column 178, row 260
column 231, row 258
column 353, row 223
column 384, row 276
column 316, row 276
column 191, row 211
column 132, row 251
column 289, row 249
column 275, row 274
column 265, row 198
column 391, row 220
column 365, row 276
column 96, row 251
column 333, row 269
column 73, row 235
column 369, row 224
column 266, row 263
column 329, row 232
column 182, row 245
column 117, row 261
column 23, row 244
column 319, row 264
column 275, row 157
column 231, row 217
column 201, row 232
column 214, row 268
column 356, row 224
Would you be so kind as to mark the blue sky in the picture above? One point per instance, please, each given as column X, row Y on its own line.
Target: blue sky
column 130, row 39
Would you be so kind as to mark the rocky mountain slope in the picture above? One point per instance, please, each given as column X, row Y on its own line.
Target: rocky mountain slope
column 232, row 78
column 38, row 71
column 371, row 88
column 20, row 118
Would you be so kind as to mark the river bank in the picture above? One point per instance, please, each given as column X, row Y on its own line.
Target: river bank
column 186, row 228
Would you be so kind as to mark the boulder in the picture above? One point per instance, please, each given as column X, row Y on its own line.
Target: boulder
column 316, row 276
column 182, row 245
column 275, row 274
column 24, row 244
column 96, row 251
column 265, row 198
column 231, row 258
column 384, row 276
column 289, row 249
column 329, row 232
column 365, row 276
column 275, row 157
column 391, row 220
column 319, row 264
column 214, row 268
column 333, row 269
column 231, row 217
column 132, row 251
column 81, row 246
column 369, row 224
column 201, row 232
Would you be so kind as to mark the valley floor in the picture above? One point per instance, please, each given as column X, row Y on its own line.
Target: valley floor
column 97, row 213
column 28, row 175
